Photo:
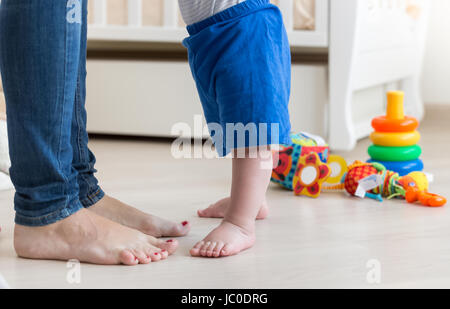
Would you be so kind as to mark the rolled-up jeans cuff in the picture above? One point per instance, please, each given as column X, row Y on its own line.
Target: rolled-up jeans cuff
column 93, row 198
column 51, row 218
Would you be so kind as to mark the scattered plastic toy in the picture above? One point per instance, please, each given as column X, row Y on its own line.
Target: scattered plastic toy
column 310, row 175
column 373, row 180
column 289, row 156
column 305, row 167
column 395, row 138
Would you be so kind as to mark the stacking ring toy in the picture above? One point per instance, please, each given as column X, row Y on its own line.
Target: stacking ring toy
column 385, row 124
column 397, row 154
column 395, row 139
column 402, row 168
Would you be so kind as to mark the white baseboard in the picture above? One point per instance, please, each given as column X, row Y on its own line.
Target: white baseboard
column 146, row 98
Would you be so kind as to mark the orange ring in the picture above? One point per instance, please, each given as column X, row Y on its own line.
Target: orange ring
column 384, row 124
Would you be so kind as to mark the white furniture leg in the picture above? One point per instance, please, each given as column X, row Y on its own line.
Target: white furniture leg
column 341, row 133
column 413, row 99
column 341, row 129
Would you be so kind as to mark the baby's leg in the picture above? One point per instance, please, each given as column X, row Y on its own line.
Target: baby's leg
column 251, row 177
column 219, row 209
column 239, row 89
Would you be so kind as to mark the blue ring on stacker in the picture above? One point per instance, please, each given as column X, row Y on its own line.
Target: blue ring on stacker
column 402, row 168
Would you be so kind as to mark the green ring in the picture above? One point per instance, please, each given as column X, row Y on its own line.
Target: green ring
column 395, row 154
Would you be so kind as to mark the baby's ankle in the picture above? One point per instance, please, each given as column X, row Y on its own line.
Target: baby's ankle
column 247, row 226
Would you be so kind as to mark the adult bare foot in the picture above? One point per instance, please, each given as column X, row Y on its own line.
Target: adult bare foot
column 90, row 238
column 124, row 214
column 219, row 209
column 225, row 240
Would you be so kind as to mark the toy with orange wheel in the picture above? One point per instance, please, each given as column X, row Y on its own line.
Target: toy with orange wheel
column 395, row 138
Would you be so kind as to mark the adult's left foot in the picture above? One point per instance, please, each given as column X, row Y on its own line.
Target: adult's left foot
column 126, row 215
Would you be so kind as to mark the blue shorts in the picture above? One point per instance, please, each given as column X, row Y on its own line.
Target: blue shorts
column 241, row 62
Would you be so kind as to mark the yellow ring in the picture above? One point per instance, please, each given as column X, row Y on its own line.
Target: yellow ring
column 344, row 169
column 395, row 139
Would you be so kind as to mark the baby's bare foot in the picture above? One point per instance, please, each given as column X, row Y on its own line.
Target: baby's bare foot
column 218, row 210
column 124, row 214
column 90, row 238
column 248, row 190
column 226, row 240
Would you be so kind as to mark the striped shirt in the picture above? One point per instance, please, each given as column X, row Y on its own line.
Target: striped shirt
column 194, row 11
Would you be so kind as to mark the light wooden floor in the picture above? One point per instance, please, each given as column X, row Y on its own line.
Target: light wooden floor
column 306, row 243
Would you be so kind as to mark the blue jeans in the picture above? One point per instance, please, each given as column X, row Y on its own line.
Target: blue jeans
column 43, row 66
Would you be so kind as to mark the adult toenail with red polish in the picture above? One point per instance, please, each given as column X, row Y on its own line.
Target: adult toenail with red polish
column 185, row 223
column 170, row 240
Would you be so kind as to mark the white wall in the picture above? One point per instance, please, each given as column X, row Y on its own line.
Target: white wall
column 436, row 73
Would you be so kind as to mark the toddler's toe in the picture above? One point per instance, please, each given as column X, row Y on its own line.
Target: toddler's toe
column 210, row 250
column 204, row 249
column 195, row 251
column 226, row 251
column 218, row 249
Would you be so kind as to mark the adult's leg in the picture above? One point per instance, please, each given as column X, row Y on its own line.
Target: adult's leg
column 39, row 65
column 39, row 61
column 90, row 193
column 83, row 159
